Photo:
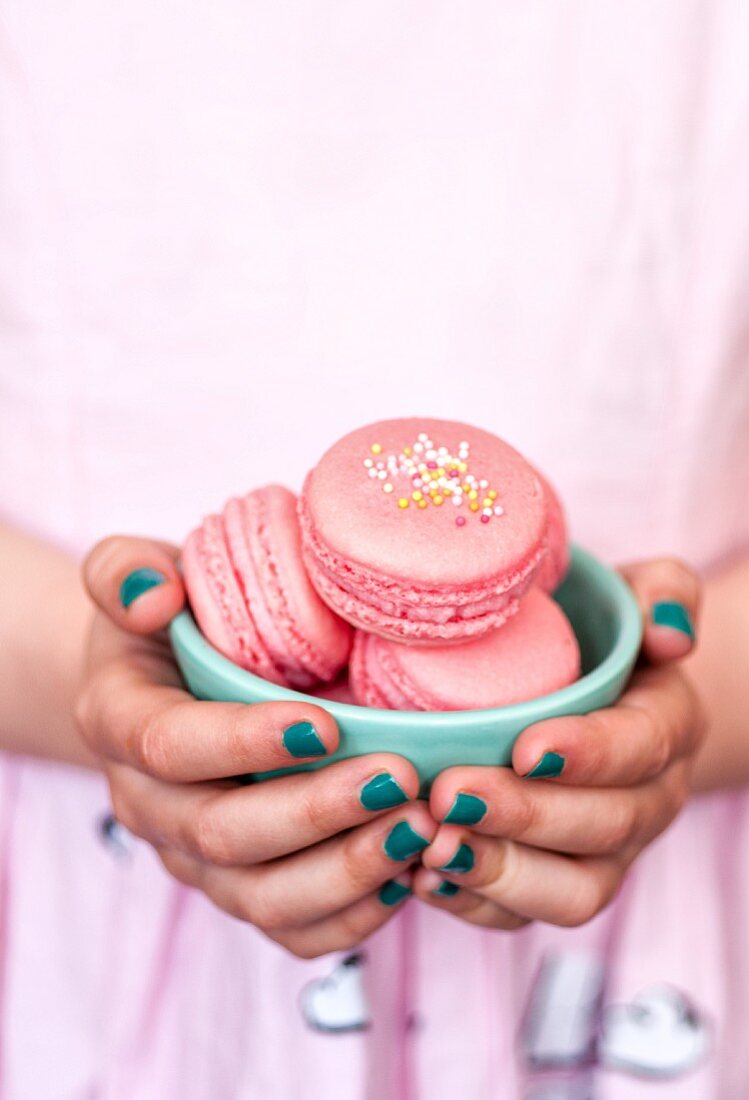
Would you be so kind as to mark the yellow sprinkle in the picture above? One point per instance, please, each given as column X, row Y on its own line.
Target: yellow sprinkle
column 376, row 448
column 447, row 491
column 474, row 506
column 487, row 502
column 472, row 494
column 438, row 499
column 462, row 466
column 440, row 472
column 466, row 486
column 492, row 494
column 422, row 504
column 407, row 451
column 403, row 502
column 417, row 495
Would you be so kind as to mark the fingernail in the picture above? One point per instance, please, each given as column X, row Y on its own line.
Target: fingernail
column 467, row 809
column 382, row 792
column 138, row 582
column 446, row 889
column 403, row 842
column 550, row 764
column 462, row 861
column 393, row 892
column 302, row 739
column 674, row 615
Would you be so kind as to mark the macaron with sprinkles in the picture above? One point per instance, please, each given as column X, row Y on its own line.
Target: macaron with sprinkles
column 423, row 530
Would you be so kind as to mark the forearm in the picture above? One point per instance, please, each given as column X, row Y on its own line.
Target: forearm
column 720, row 671
column 44, row 620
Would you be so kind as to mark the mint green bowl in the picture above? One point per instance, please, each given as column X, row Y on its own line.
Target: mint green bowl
column 604, row 616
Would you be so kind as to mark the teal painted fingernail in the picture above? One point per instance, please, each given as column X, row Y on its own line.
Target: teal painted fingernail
column 550, row 764
column 446, row 889
column 393, row 892
column 382, row 792
column 462, row 861
column 403, row 841
column 467, row 809
column 138, row 582
column 302, row 739
column 674, row 615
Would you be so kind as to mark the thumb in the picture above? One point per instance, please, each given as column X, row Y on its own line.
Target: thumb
column 135, row 582
column 668, row 592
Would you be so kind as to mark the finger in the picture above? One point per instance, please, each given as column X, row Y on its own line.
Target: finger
column 318, row 882
column 577, row 820
column 341, row 931
column 161, row 730
column 656, row 721
column 668, row 592
column 230, row 825
column 531, row 882
column 135, row 582
column 430, row 887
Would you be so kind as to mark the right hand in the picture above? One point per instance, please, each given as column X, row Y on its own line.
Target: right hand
column 298, row 856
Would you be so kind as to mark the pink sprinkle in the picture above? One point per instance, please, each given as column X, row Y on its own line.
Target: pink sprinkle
column 460, row 521
column 431, row 465
column 485, row 519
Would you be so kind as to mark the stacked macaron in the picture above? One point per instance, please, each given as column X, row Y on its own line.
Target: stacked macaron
column 436, row 541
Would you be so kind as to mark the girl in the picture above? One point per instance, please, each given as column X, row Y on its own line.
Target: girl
column 227, row 239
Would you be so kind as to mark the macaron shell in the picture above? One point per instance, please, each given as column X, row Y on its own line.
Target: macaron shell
column 358, row 521
column 422, row 572
column 218, row 601
column 555, row 564
column 533, row 654
column 307, row 641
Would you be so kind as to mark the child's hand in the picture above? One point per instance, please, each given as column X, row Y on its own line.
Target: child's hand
column 557, row 849
column 303, row 857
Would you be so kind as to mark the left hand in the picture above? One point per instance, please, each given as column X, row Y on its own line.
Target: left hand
column 556, row 849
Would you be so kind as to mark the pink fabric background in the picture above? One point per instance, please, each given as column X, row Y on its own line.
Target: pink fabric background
column 228, row 234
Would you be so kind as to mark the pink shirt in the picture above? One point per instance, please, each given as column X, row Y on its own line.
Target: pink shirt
column 229, row 233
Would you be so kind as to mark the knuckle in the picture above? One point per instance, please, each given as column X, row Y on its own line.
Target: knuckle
column 302, row 947
column 123, row 811
column 591, row 895
column 83, row 711
column 621, row 827
column 265, row 910
column 315, row 813
column 210, row 838
column 356, row 863
column 520, row 813
column 678, row 573
column 147, row 744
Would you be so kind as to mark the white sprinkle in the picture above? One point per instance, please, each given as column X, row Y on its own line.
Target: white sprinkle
column 457, row 498
column 483, row 484
column 423, row 437
column 498, row 510
column 380, row 465
column 382, row 474
column 387, row 487
column 418, row 482
column 418, row 447
column 486, row 511
column 431, row 455
column 373, row 472
column 368, row 463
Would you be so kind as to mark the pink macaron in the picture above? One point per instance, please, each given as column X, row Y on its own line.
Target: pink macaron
column 251, row 596
column 425, row 531
column 553, row 568
column 535, row 653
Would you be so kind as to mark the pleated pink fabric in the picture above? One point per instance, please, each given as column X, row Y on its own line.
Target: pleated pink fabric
column 231, row 232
